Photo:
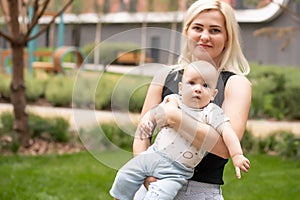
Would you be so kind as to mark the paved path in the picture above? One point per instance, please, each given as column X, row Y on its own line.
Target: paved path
column 79, row 118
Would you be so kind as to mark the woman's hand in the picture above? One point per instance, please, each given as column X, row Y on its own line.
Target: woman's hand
column 149, row 180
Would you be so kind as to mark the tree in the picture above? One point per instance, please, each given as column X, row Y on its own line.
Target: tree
column 18, row 34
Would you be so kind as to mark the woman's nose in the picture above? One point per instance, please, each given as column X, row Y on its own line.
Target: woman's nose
column 204, row 36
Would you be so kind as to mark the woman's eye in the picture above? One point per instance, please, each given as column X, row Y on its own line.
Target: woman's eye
column 197, row 28
column 214, row 31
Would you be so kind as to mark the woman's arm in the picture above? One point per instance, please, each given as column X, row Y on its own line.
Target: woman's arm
column 237, row 101
column 153, row 98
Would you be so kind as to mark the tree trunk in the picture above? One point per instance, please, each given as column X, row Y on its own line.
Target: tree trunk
column 18, row 95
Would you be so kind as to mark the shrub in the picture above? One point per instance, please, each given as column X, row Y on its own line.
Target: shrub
column 59, row 91
column 282, row 143
column 84, row 91
column 274, row 92
column 55, row 128
column 248, row 142
column 106, row 138
column 38, row 125
column 109, row 51
column 6, row 122
column 5, row 81
column 130, row 93
column 289, row 101
column 137, row 99
column 59, row 130
column 35, row 88
column 104, row 90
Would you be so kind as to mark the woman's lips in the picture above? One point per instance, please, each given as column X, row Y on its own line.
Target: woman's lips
column 204, row 45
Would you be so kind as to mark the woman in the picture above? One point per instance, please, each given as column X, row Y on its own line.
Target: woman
column 208, row 25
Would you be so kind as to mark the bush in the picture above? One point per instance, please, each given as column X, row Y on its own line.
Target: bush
column 129, row 93
column 84, row 91
column 275, row 92
column 106, row 138
column 5, row 81
column 137, row 99
column 42, row 127
column 59, row 91
column 59, row 130
column 248, row 142
column 282, row 143
column 35, row 88
column 6, row 122
column 108, row 51
column 104, row 90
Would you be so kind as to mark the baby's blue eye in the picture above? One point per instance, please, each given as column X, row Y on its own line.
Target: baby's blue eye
column 205, row 85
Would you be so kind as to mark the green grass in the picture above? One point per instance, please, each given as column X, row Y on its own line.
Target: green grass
column 77, row 176
column 80, row 176
column 270, row 178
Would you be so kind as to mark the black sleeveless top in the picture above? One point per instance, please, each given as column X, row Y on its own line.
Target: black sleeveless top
column 210, row 169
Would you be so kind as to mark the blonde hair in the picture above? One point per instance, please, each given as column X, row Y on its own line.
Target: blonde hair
column 232, row 58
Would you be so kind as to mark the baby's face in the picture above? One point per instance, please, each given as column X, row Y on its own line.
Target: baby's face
column 196, row 93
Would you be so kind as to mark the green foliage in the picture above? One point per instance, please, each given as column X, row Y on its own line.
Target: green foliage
column 105, row 89
column 60, row 129
column 275, row 92
column 34, row 88
column 84, row 91
column 59, row 91
column 137, row 99
column 130, row 93
column 55, row 128
column 11, row 144
column 5, row 81
column 6, row 122
column 108, row 51
column 117, row 136
column 106, row 137
column 285, row 144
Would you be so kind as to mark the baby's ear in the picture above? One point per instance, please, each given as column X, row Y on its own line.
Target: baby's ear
column 214, row 94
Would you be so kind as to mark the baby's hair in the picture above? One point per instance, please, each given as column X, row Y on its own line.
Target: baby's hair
column 206, row 70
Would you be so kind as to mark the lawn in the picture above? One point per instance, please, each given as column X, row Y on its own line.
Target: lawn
column 80, row 176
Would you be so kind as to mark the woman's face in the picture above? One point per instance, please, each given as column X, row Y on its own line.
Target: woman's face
column 207, row 31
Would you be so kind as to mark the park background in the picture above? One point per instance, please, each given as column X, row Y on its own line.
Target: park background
column 82, row 175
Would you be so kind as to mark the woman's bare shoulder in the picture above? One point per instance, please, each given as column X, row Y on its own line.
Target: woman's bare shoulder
column 239, row 79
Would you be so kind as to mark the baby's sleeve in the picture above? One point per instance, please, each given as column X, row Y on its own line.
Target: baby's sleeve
column 215, row 116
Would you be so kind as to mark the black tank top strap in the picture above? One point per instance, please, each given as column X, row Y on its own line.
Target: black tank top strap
column 171, row 82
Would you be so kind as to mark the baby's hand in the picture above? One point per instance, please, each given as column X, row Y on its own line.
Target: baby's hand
column 172, row 100
column 240, row 162
column 163, row 112
column 145, row 127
